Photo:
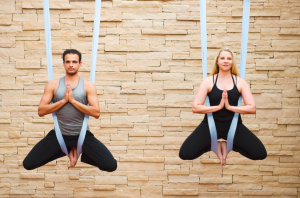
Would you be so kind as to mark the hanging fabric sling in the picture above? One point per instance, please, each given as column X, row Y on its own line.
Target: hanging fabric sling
column 92, row 72
column 244, row 44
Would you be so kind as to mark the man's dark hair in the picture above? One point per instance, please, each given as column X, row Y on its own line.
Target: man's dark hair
column 71, row 51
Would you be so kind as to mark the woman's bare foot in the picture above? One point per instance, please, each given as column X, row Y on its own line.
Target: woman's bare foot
column 224, row 152
column 219, row 153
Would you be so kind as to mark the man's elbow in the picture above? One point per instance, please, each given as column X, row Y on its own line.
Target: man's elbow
column 40, row 113
column 97, row 115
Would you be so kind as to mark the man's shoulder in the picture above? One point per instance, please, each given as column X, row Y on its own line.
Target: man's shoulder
column 53, row 82
column 88, row 84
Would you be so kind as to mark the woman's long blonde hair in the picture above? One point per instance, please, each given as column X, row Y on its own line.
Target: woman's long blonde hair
column 233, row 69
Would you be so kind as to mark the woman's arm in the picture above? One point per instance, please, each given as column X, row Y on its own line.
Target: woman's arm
column 198, row 104
column 250, row 107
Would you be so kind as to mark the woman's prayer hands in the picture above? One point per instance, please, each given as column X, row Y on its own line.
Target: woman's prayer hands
column 225, row 99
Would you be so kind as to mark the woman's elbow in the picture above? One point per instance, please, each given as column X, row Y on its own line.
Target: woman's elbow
column 253, row 109
column 195, row 109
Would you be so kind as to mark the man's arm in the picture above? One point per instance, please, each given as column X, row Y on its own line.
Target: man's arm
column 91, row 94
column 45, row 107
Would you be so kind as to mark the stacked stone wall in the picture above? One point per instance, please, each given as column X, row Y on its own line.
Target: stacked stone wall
column 148, row 71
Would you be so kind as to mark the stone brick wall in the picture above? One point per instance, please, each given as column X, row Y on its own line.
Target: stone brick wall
column 148, row 71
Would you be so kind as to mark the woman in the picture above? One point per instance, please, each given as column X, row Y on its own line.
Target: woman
column 223, row 88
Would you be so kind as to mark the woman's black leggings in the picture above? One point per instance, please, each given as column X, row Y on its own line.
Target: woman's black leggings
column 48, row 149
column 245, row 142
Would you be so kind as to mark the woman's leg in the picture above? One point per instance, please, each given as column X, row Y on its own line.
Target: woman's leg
column 247, row 144
column 46, row 150
column 196, row 144
column 96, row 154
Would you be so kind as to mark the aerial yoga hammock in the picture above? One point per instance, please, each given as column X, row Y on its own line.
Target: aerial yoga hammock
column 244, row 43
column 55, row 144
column 197, row 143
column 92, row 72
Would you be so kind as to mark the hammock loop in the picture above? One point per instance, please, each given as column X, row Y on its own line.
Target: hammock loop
column 92, row 72
column 244, row 44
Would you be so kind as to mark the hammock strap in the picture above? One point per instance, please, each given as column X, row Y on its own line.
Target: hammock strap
column 92, row 72
column 93, row 69
column 244, row 42
column 244, row 45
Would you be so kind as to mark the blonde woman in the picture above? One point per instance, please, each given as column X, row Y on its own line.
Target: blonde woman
column 223, row 88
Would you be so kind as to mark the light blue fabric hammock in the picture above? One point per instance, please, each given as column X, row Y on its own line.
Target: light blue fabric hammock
column 92, row 72
column 244, row 44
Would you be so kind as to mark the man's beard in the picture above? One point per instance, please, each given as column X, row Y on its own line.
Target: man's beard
column 72, row 73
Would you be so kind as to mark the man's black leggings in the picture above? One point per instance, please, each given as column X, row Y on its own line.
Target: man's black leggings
column 48, row 149
column 245, row 142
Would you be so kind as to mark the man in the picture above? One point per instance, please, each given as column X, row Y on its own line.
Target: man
column 69, row 96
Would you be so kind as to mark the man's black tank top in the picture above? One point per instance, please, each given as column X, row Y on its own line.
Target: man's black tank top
column 223, row 117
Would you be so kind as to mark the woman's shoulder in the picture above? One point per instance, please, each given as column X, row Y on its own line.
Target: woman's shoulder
column 240, row 83
column 208, row 83
column 209, row 79
column 239, row 80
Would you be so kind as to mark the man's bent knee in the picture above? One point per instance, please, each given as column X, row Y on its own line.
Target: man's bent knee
column 111, row 167
column 28, row 165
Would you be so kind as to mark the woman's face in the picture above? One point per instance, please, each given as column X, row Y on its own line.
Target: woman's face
column 225, row 61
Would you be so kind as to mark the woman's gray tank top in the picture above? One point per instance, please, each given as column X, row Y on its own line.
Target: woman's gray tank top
column 69, row 118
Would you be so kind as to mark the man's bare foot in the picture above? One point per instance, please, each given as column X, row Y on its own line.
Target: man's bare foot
column 73, row 157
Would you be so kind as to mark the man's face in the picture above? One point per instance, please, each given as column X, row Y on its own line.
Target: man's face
column 72, row 63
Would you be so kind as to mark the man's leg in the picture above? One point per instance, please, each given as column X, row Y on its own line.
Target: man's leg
column 46, row 150
column 96, row 154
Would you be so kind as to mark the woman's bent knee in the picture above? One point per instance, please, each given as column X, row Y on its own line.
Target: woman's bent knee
column 185, row 155
column 262, row 155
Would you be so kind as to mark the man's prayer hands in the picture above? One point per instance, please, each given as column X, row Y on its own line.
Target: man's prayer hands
column 69, row 96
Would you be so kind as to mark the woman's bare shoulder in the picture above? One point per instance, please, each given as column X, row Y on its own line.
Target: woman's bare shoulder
column 240, row 80
column 208, row 82
column 209, row 79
